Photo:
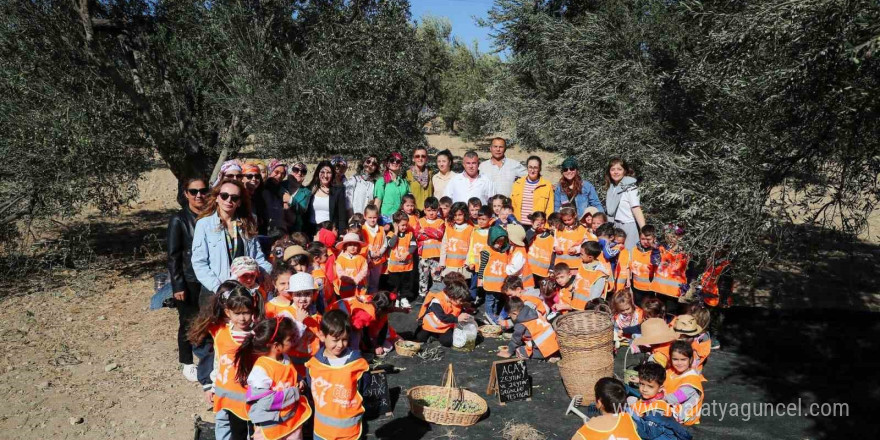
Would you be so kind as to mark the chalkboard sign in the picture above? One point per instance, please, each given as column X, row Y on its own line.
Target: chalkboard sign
column 510, row 380
column 377, row 399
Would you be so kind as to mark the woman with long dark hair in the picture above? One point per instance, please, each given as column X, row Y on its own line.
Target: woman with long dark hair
column 622, row 200
column 359, row 189
column 327, row 202
column 574, row 191
column 183, row 280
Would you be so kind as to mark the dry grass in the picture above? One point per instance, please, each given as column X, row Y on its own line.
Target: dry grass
column 520, row 431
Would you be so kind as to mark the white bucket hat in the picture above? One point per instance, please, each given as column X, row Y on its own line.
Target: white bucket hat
column 301, row 281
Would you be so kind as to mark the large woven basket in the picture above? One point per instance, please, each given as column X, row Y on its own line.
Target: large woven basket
column 580, row 374
column 445, row 415
column 585, row 331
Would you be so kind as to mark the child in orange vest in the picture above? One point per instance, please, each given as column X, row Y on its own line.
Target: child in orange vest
column 337, row 377
column 479, row 241
column 644, row 258
column 518, row 256
column 587, row 218
column 614, row 255
column 651, row 378
column 670, row 278
column 494, row 260
column 296, row 304
column 612, row 422
column 379, row 335
column 656, row 337
column 540, row 244
column 599, row 219
column 693, row 333
column 351, row 267
column 569, row 238
column 513, row 288
column 228, row 319
column 246, row 271
column 323, row 285
column 429, row 239
column 456, row 240
column 442, row 310
column 684, row 385
column 626, row 314
column 533, row 336
column 280, row 279
column 474, row 204
column 716, row 288
column 564, row 284
column 376, row 249
column 401, row 261
column 593, row 276
column 275, row 402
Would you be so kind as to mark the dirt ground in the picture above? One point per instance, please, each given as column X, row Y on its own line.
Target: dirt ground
column 85, row 358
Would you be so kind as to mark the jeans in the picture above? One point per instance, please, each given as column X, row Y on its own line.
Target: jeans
column 205, row 352
column 228, row 426
column 495, row 302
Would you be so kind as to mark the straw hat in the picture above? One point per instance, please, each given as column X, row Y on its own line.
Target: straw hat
column 516, row 234
column 350, row 238
column 300, row 282
column 292, row 251
column 687, row 325
column 655, row 331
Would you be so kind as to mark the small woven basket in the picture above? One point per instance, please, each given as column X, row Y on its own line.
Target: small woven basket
column 407, row 348
column 445, row 415
column 580, row 374
column 490, row 331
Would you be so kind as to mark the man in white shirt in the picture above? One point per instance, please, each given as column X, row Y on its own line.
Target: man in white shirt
column 501, row 170
column 470, row 183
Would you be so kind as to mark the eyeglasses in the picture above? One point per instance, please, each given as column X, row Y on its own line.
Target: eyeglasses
column 395, row 161
column 420, row 156
column 233, row 176
column 565, row 170
column 226, row 196
column 202, row 191
column 297, row 170
column 252, row 176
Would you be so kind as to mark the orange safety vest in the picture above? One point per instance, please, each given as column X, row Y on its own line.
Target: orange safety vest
column 308, row 344
column 479, row 241
column 642, row 407
column 585, row 279
column 540, row 305
column 228, row 393
column 624, row 429
column 567, row 295
column 457, row 243
column 374, row 244
column 641, row 268
column 621, row 270
column 294, row 415
column 660, row 353
column 400, row 259
column 493, row 273
column 339, row 405
column 429, row 321
column 413, row 223
column 670, row 274
column 567, row 239
column 542, row 336
column 351, row 266
column 526, row 271
column 710, row 282
column 685, row 416
column 322, row 287
column 430, row 248
column 349, row 305
column 540, row 255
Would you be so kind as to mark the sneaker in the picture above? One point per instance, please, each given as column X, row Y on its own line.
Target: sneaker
column 716, row 344
column 397, row 303
column 190, row 372
column 404, row 303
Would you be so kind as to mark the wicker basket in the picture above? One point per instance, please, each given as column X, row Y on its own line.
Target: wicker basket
column 580, row 374
column 445, row 415
column 584, row 332
column 490, row 331
column 407, row 348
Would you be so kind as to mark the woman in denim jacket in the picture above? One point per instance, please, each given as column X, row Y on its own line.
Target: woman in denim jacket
column 224, row 231
column 571, row 187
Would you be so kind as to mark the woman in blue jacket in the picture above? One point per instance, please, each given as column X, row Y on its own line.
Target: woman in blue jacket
column 572, row 189
column 225, row 230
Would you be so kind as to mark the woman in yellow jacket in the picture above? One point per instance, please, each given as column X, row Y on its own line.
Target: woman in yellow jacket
column 531, row 193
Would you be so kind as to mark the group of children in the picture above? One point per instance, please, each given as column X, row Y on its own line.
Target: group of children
column 287, row 347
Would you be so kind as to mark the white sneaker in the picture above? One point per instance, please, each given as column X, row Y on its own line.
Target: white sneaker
column 404, row 303
column 397, row 303
column 191, row 373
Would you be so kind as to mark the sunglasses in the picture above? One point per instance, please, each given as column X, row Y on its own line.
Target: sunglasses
column 395, row 161
column 252, row 176
column 297, row 170
column 202, row 191
column 226, row 196
column 233, row 176
column 420, row 156
column 565, row 170
column 370, row 162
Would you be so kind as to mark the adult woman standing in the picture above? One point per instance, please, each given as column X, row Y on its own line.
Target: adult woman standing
column 225, row 230
column 327, row 202
column 419, row 177
column 359, row 189
column 444, row 173
column 391, row 187
column 531, row 193
column 622, row 200
column 184, row 283
column 297, row 202
column 573, row 190
column 231, row 169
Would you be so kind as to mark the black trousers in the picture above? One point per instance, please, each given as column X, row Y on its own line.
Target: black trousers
column 240, row 429
column 186, row 312
column 402, row 283
column 445, row 339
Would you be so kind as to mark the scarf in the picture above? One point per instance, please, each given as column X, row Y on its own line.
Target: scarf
column 422, row 177
column 615, row 192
